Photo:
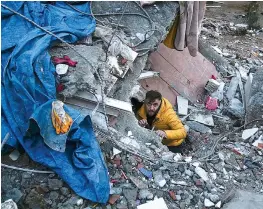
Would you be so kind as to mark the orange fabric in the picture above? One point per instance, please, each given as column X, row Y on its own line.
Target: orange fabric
column 166, row 120
column 169, row 40
column 61, row 127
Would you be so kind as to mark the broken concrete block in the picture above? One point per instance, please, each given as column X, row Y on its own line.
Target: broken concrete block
column 243, row 72
column 9, row 204
column 236, row 108
column 218, row 205
column 131, row 142
column 202, row 173
column 248, row 88
column 154, row 204
column 255, row 101
column 205, row 119
column 159, row 179
column 14, row 155
column 248, row 133
column 145, row 194
column 219, row 93
column 208, row 203
column 167, row 156
column 182, row 105
column 138, row 183
column 232, row 88
column 198, row 127
column 212, row 85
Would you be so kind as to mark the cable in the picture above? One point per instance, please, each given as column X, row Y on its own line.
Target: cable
column 216, row 142
column 25, row 169
column 115, row 30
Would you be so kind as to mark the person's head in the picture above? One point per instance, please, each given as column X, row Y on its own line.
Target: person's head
column 152, row 102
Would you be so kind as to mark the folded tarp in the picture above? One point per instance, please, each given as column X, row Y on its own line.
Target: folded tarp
column 28, row 89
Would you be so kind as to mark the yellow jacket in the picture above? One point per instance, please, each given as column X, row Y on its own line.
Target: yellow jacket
column 166, row 120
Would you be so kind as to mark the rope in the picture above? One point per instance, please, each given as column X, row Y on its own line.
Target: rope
column 25, row 169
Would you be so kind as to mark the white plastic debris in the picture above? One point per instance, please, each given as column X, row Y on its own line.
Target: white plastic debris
column 116, row 151
column 218, row 205
column 188, row 159
column 213, row 175
column 177, row 157
column 159, row 179
column 154, row 204
column 248, row 133
column 61, row 69
column 14, row 155
column 202, row 173
column 79, row 202
column 208, row 203
column 129, row 133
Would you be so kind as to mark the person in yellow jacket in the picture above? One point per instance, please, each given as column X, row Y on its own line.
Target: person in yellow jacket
column 156, row 113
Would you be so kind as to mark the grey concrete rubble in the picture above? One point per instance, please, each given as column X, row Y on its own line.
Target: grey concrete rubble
column 221, row 159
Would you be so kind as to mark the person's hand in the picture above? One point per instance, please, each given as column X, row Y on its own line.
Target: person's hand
column 161, row 133
column 143, row 123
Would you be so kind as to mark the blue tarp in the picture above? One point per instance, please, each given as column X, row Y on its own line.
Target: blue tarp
column 28, row 90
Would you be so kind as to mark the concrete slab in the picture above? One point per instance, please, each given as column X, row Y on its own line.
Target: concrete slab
column 245, row 200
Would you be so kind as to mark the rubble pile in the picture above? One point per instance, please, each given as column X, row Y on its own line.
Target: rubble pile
column 222, row 153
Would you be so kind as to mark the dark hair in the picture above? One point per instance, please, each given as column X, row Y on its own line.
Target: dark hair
column 152, row 95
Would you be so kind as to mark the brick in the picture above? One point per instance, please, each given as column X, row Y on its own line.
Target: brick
column 172, row 195
column 113, row 198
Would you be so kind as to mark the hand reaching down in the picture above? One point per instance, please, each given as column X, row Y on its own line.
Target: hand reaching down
column 161, row 133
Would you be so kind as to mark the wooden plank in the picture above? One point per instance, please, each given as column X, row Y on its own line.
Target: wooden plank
column 182, row 105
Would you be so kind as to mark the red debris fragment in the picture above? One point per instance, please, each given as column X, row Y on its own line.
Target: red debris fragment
column 213, row 77
column 60, row 87
column 114, row 181
column 123, row 61
column 198, row 182
column 172, row 195
column 64, row 60
column 211, row 103
column 113, row 198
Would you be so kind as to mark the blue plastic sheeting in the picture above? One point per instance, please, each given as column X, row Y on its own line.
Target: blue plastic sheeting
column 28, row 89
